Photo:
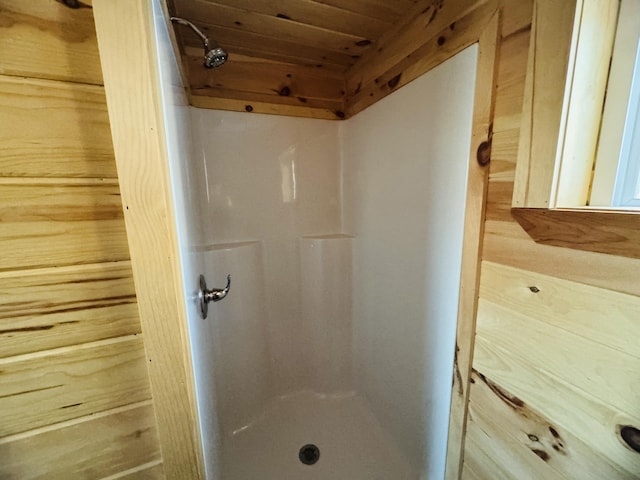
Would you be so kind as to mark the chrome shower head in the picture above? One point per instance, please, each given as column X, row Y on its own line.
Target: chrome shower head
column 213, row 57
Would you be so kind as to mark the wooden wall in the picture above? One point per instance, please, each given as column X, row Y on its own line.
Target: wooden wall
column 555, row 390
column 74, row 389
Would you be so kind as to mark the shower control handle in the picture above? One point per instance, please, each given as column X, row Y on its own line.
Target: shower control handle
column 214, row 295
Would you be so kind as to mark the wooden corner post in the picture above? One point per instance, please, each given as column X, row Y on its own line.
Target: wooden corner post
column 127, row 53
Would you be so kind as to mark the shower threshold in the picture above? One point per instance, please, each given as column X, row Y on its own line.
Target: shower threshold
column 350, row 443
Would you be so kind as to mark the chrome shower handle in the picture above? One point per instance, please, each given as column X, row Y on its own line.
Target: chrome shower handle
column 214, row 295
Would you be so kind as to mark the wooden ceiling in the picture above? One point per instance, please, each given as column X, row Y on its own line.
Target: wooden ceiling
column 294, row 56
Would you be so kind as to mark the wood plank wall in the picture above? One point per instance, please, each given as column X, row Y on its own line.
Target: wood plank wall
column 74, row 388
column 555, row 391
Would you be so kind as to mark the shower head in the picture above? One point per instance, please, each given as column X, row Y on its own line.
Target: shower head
column 213, row 56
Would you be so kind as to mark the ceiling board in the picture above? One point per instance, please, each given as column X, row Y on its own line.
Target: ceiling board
column 270, row 26
column 386, row 10
column 262, row 46
column 309, row 12
column 295, row 53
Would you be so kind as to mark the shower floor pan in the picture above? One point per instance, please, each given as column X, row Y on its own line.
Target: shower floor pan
column 351, row 444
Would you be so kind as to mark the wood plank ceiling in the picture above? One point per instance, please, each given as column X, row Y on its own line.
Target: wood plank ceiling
column 285, row 56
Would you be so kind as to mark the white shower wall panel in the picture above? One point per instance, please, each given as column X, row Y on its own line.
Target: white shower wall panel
column 405, row 170
column 239, row 341
column 326, row 310
column 272, row 179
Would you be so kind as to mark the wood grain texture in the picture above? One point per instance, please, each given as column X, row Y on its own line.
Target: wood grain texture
column 315, row 14
column 569, row 356
column 507, row 243
column 46, row 39
column 251, row 105
column 588, row 73
column 481, row 136
column 418, row 44
column 71, row 382
column 150, row 471
column 53, row 129
column 594, row 422
column 61, row 223
column 92, row 447
column 238, row 18
column 548, row 58
column 270, row 48
column 127, row 51
column 64, row 306
column 499, row 449
column 594, row 313
column 531, row 439
column 267, row 82
column 613, row 232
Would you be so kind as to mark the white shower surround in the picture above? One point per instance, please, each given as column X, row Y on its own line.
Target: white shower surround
column 258, row 193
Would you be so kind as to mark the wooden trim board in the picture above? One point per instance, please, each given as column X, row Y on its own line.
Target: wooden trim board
column 127, row 45
column 488, row 38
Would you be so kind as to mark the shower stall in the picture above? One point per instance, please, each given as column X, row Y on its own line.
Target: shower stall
column 332, row 355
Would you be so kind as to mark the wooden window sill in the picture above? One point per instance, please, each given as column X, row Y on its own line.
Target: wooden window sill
column 605, row 231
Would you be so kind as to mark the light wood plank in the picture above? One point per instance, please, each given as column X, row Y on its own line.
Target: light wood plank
column 429, row 50
column 602, row 316
column 483, row 463
column 71, row 382
column 266, row 25
column 511, row 78
column 57, row 307
column 498, row 454
column 313, row 13
column 594, row 422
column 605, row 373
column 154, row 471
column 419, row 25
column 98, row 445
column 128, row 52
column 277, row 80
column 592, row 47
column 475, row 204
column 508, row 244
column 237, row 105
column 380, row 9
column 550, row 43
column 516, row 16
column 63, row 224
column 274, row 48
column 468, row 474
column 46, row 39
column 54, row 129
column 530, row 436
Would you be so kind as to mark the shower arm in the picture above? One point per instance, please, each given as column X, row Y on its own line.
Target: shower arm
column 203, row 37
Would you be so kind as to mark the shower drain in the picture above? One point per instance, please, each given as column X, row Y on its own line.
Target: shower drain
column 309, row 454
